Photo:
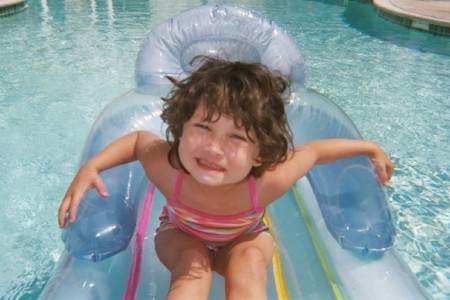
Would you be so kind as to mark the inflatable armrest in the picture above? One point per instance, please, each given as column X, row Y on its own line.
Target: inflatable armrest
column 104, row 227
column 352, row 202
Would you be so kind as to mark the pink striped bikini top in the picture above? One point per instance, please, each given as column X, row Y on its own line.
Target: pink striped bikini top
column 215, row 230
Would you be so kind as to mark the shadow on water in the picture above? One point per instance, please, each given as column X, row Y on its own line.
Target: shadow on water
column 363, row 17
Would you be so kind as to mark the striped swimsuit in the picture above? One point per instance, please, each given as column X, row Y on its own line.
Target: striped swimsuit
column 214, row 230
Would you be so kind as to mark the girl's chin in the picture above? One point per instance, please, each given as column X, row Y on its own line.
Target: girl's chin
column 210, row 178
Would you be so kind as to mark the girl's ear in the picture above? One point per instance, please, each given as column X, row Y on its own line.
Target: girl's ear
column 257, row 162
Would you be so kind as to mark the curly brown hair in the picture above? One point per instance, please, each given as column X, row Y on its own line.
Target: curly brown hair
column 247, row 92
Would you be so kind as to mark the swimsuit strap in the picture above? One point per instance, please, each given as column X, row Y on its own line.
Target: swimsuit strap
column 177, row 188
column 253, row 195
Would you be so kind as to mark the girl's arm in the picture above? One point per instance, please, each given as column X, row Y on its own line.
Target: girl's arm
column 326, row 151
column 125, row 149
column 303, row 158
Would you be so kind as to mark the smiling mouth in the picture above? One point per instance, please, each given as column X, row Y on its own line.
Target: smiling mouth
column 209, row 166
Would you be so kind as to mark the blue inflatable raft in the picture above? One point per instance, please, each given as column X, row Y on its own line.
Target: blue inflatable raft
column 333, row 229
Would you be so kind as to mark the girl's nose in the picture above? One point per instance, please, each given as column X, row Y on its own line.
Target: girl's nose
column 214, row 146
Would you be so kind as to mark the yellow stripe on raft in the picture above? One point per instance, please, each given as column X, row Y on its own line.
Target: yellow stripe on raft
column 280, row 283
column 338, row 295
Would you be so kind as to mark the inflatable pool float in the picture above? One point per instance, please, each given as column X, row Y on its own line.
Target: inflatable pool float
column 333, row 228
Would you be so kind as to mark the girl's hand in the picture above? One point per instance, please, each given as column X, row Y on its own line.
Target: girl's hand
column 383, row 166
column 86, row 179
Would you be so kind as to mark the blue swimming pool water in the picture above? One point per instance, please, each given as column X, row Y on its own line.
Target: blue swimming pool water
column 61, row 62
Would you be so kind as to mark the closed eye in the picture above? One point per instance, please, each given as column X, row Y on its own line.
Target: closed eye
column 239, row 137
column 201, row 126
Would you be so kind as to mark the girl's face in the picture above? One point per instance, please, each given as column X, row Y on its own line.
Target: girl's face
column 216, row 152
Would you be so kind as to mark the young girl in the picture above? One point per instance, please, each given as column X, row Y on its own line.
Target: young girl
column 227, row 156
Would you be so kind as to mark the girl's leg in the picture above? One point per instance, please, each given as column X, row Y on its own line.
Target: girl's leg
column 244, row 266
column 189, row 262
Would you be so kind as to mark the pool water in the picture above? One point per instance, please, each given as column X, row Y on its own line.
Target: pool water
column 61, row 62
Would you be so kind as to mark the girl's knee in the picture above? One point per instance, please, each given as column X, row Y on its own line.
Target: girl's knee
column 249, row 260
column 191, row 272
column 191, row 275
column 252, row 254
column 246, row 274
column 182, row 254
column 192, row 262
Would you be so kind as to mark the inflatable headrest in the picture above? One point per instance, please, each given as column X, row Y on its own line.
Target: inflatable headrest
column 228, row 32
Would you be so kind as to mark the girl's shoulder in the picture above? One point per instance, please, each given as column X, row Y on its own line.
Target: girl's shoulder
column 150, row 147
column 153, row 154
column 275, row 182
column 271, row 186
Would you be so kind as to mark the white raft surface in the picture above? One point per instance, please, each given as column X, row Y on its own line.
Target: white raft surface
column 333, row 229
